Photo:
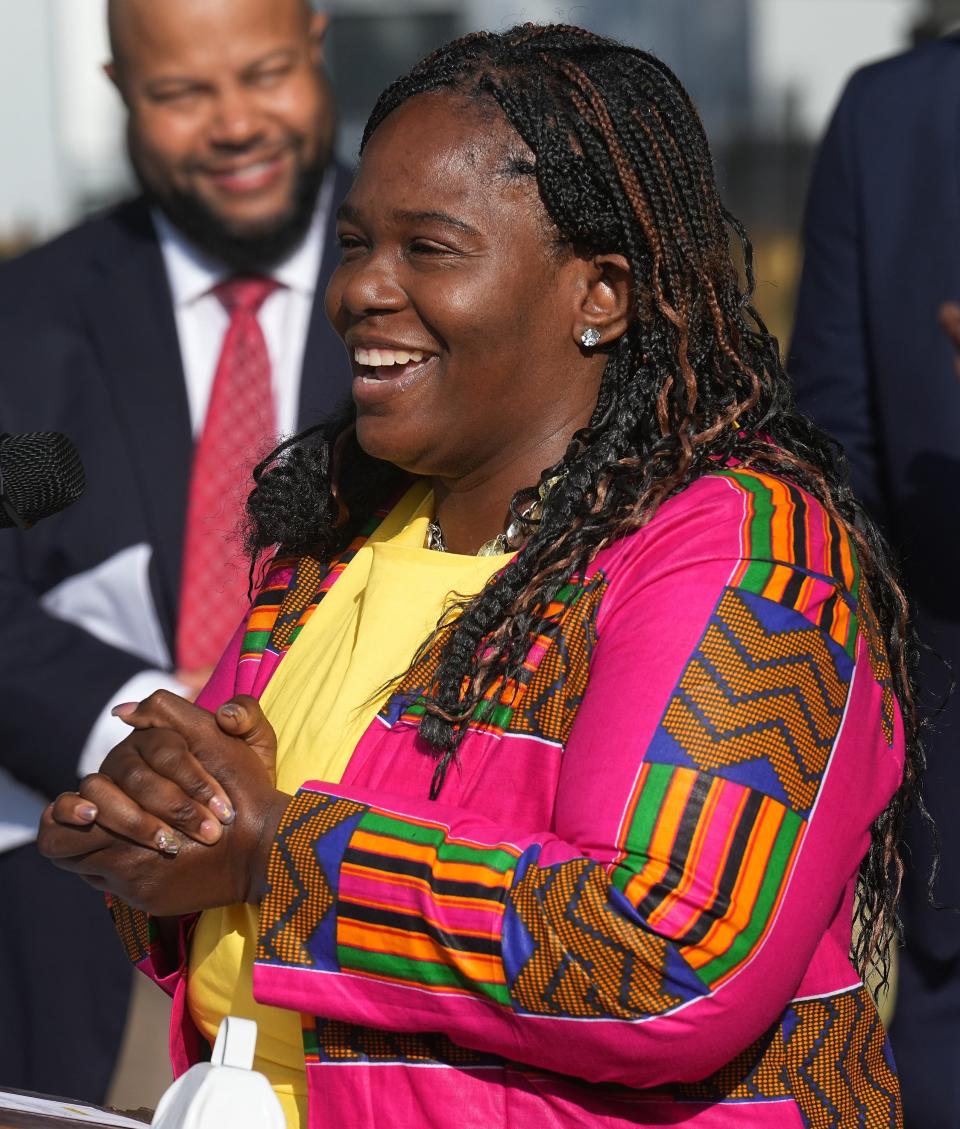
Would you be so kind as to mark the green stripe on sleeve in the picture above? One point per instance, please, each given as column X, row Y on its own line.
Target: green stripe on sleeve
column 774, row 873
column 428, row 973
column 381, row 824
column 645, row 819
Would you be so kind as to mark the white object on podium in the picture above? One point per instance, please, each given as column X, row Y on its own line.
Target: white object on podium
column 224, row 1091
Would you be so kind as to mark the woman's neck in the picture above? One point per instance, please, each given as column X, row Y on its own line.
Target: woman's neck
column 475, row 508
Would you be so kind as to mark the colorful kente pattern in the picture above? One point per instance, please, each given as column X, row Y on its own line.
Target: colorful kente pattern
column 572, row 948
column 301, row 894
column 879, row 664
column 734, row 769
column 419, row 907
column 290, row 593
column 840, row 1065
column 704, row 851
column 137, row 931
column 454, row 948
column 542, row 700
column 830, row 1054
column 793, row 551
column 760, row 701
column 330, row 1041
column 710, row 834
column 705, row 861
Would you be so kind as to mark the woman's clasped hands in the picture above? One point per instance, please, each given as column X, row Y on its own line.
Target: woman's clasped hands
column 181, row 815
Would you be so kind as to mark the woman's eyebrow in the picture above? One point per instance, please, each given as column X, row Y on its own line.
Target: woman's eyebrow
column 350, row 214
column 434, row 217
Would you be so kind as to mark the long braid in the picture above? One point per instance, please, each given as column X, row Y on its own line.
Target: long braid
column 622, row 164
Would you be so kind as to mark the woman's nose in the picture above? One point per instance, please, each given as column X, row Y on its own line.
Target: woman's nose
column 371, row 286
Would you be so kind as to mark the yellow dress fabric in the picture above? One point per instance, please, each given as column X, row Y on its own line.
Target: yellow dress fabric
column 325, row 693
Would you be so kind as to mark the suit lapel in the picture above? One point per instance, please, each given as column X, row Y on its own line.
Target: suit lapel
column 325, row 383
column 131, row 318
column 130, row 314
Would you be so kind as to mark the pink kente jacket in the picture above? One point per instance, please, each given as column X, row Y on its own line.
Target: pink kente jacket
column 631, row 904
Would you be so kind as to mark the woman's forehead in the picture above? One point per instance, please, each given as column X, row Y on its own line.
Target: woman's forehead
column 450, row 128
column 442, row 145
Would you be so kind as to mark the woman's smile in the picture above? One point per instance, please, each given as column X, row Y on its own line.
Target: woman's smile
column 382, row 374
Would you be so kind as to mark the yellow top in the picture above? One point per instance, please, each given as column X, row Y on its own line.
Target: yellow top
column 328, row 689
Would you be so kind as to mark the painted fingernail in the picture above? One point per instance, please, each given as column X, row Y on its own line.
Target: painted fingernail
column 167, row 843
column 210, row 831
column 230, row 710
column 86, row 812
column 223, row 811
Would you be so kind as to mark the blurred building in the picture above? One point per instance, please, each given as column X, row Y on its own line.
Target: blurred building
column 706, row 41
column 60, row 124
column 765, row 74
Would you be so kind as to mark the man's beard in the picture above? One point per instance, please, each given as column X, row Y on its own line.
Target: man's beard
column 243, row 252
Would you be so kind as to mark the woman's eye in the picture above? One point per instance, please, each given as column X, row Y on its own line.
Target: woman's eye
column 348, row 242
column 428, row 247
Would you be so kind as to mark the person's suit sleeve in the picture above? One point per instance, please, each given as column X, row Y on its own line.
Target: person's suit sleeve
column 55, row 678
column 829, row 359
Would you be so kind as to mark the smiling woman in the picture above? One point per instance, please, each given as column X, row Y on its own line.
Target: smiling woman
column 465, row 268
column 573, row 708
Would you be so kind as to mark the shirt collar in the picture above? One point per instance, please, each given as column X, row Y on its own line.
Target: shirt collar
column 193, row 274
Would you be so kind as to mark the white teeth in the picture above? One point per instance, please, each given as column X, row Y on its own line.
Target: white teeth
column 250, row 171
column 380, row 358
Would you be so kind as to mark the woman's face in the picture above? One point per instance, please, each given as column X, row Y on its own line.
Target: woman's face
column 459, row 314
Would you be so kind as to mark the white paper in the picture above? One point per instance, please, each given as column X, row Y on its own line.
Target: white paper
column 66, row 1111
column 114, row 603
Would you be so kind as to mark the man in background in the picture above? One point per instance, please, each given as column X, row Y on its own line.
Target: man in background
column 173, row 339
column 872, row 366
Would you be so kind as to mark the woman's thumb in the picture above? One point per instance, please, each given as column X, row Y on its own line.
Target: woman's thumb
column 242, row 717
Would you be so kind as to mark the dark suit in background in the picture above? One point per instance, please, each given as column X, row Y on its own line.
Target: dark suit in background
column 871, row 365
column 89, row 347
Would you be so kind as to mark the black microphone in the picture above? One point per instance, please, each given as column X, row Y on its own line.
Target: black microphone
column 40, row 474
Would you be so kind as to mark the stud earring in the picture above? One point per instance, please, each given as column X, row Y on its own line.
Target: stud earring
column 590, row 337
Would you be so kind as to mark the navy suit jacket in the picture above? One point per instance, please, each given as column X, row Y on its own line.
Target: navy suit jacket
column 871, row 366
column 89, row 347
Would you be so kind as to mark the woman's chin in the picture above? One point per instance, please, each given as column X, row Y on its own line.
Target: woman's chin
column 382, row 438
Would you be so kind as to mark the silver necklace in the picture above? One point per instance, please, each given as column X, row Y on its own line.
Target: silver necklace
column 492, row 548
column 435, row 539
column 511, row 539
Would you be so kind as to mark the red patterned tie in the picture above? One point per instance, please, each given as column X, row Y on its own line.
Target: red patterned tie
column 240, row 428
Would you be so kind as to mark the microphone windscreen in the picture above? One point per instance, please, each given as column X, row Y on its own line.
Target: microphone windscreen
column 40, row 474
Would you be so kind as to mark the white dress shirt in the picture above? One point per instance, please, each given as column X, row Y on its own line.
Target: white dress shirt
column 201, row 322
column 284, row 317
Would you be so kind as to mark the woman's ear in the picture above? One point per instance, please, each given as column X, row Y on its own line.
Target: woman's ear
column 606, row 304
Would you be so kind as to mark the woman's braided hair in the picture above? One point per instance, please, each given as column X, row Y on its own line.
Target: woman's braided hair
column 622, row 165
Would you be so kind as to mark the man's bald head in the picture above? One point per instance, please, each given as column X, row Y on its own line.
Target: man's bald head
column 231, row 117
column 128, row 20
